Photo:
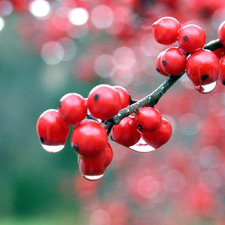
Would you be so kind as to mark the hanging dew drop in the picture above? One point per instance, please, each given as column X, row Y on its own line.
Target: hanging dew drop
column 93, row 177
column 52, row 148
column 142, row 146
column 204, row 89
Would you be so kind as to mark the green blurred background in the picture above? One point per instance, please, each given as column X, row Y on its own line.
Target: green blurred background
column 30, row 178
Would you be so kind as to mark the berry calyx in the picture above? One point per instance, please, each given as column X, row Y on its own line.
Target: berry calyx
column 103, row 102
column 72, row 108
column 165, row 30
column 148, row 119
column 159, row 68
column 89, row 138
column 126, row 133
column 52, row 131
column 191, row 38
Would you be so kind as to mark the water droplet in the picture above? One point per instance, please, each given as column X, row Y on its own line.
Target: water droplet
column 204, row 89
column 93, row 177
column 142, row 146
column 52, row 148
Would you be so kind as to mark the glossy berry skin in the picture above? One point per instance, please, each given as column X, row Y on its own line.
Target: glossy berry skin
column 148, row 119
column 191, row 38
column 96, row 165
column 89, row 138
column 222, row 70
column 103, row 102
column 165, row 30
column 124, row 96
column 72, row 108
column 159, row 68
column 219, row 52
column 173, row 61
column 126, row 133
column 51, row 129
column 221, row 33
column 160, row 136
column 202, row 67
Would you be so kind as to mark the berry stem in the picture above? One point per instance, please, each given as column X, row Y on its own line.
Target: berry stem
column 153, row 98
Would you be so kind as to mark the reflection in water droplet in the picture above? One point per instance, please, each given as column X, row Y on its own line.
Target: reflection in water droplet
column 142, row 146
column 204, row 89
column 52, row 148
column 93, row 177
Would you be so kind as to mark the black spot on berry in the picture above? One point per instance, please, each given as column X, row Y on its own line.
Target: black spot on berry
column 205, row 77
column 75, row 148
column 223, row 82
column 42, row 140
column 96, row 97
column 59, row 104
column 158, row 70
column 185, row 38
column 139, row 127
column 164, row 62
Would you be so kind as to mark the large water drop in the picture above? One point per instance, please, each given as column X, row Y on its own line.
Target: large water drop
column 142, row 146
column 52, row 148
column 204, row 89
column 93, row 177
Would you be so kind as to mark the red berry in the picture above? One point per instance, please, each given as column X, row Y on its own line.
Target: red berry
column 94, row 168
column 52, row 130
column 126, row 133
column 72, row 108
column 219, row 52
column 89, row 138
column 158, row 64
column 148, row 119
column 221, row 33
column 222, row 70
column 165, row 30
column 103, row 102
column 202, row 68
column 124, row 96
column 191, row 38
column 173, row 61
column 160, row 136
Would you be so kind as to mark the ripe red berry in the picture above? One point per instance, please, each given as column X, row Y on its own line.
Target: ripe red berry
column 72, row 108
column 126, row 133
column 219, row 52
column 222, row 70
column 202, row 68
column 173, row 61
column 89, row 138
column 52, row 131
column 158, row 64
column 191, row 38
column 221, row 33
column 165, row 30
column 94, row 168
column 103, row 102
column 160, row 136
column 124, row 96
column 148, row 119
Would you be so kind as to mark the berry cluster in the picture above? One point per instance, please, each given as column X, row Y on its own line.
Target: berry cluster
column 91, row 120
column 202, row 66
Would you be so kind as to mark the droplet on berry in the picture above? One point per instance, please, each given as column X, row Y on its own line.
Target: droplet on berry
column 141, row 146
column 93, row 177
column 52, row 148
column 205, row 89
